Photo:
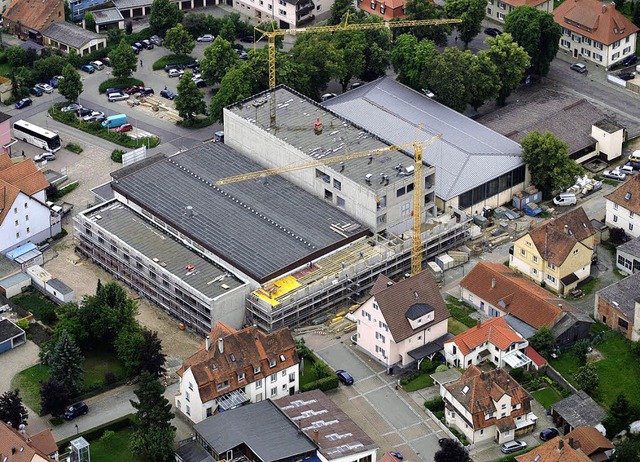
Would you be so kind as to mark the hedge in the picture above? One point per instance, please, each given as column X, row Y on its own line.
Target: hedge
column 324, row 384
column 172, row 59
column 120, row 83
column 435, row 405
column 95, row 433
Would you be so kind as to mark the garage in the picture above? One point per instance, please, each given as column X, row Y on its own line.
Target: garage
column 198, row 3
column 11, row 335
column 186, row 5
column 137, row 12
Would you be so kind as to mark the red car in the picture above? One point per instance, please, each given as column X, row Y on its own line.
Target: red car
column 124, row 128
column 134, row 89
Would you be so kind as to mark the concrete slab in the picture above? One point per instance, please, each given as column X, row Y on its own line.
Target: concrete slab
column 426, row 447
column 340, row 357
column 394, row 410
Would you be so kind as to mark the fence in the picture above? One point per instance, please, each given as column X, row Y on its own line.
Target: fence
column 555, row 375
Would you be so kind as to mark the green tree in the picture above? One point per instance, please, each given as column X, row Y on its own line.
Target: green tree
column 482, row 80
column 127, row 345
column 123, row 60
column 548, row 160
column 581, row 349
column 12, row 411
column 21, row 80
column 627, row 451
column 426, row 9
column 54, row 397
column 151, row 357
column 543, row 341
column 164, row 15
column 353, row 45
column 451, row 451
column 378, row 49
column 114, row 35
column 154, row 434
column 228, row 31
column 635, row 13
column 70, row 86
column 30, row 56
column 190, row 100
column 104, row 314
column 320, row 58
column 73, row 58
column 235, row 85
column 44, row 69
column 197, row 24
column 179, row 40
column 511, row 62
column 471, row 12
column 89, row 22
column 619, row 4
column 538, row 33
column 219, row 57
column 15, row 56
column 65, row 363
column 415, row 61
column 621, row 409
column 587, row 378
column 339, row 8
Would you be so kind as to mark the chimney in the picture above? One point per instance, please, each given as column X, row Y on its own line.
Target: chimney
column 560, row 444
column 221, row 345
column 207, row 343
column 566, row 229
column 560, row 305
column 189, row 211
column 571, row 442
column 493, row 283
column 315, row 436
column 478, row 323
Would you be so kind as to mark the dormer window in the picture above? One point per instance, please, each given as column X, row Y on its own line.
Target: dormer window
column 256, row 370
column 282, row 358
column 373, row 6
column 241, row 377
column 272, row 363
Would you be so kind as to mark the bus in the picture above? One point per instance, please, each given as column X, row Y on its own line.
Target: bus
column 35, row 135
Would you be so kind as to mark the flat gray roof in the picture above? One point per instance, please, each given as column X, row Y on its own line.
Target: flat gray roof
column 580, row 410
column 60, row 286
column 295, row 118
column 623, row 294
column 7, row 266
column 107, row 16
column 468, row 154
column 265, row 229
column 13, row 280
column 154, row 243
column 264, row 428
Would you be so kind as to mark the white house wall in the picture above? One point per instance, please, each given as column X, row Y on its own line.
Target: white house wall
column 27, row 221
column 619, row 217
column 578, row 46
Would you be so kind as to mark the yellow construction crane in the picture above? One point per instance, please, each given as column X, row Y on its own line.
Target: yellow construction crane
column 273, row 33
column 418, row 146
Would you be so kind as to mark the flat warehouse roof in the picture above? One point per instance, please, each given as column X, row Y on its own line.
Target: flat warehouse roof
column 263, row 228
column 174, row 257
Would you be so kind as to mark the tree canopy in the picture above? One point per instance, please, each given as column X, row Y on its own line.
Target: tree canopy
column 123, row 60
column 543, row 342
column 178, row 40
column 190, row 100
column 471, row 12
column 65, row 363
column 219, row 57
column 587, row 378
column 164, row 15
column 12, row 411
column 71, row 85
column 451, row 451
column 426, row 9
column 511, row 61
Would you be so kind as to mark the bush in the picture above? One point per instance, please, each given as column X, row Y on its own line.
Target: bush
column 196, row 123
column 435, row 405
column 517, row 373
column 172, row 59
column 23, row 324
column 110, row 378
column 73, row 147
column 442, row 368
column 116, row 155
column 428, row 366
column 324, row 384
column 118, row 83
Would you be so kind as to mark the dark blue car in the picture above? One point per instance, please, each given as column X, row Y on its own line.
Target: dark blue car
column 24, row 102
column 629, row 60
column 168, row 94
column 344, row 377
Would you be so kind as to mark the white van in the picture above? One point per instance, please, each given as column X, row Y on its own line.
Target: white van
column 97, row 65
column 117, row 97
column 565, row 199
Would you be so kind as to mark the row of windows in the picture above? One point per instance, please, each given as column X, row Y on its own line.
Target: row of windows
column 632, row 265
column 631, row 214
column 26, row 218
column 491, row 188
column 615, row 220
column 26, row 206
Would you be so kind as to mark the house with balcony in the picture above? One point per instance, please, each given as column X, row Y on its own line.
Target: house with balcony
column 498, row 10
column 595, row 31
column 403, row 322
column 494, row 341
column 622, row 208
column 557, row 252
column 618, row 306
column 488, row 406
column 237, row 367
column 386, row 9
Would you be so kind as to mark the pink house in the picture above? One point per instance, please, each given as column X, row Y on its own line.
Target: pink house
column 5, row 133
column 403, row 321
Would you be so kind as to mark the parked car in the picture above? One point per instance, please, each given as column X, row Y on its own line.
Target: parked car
column 147, row 91
column 200, row 83
column 45, row 87
column 206, row 38
column 124, row 128
column 355, row 85
column 83, row 111
column 219, row 136
column 443, row 441
column 138, row 45
column 397, row 455
column 193, row 65
column 565, row 199
column 328, row 96
column 629, row 60
column 176, row 73
column 628, row 169
column 579, row 67
column 112, row 97
column 614, row 174
column 634, row 156
column 88, row 68
column 247, row 39
column 168, row 94
column 44, row 156
column 548, row 434
column 55, row 81
column 71, row 108
column 93, row 116
column 113, row 90
column 633, row 164
column 24, row 102
column 106, row 61
column 626, row 76
column 344, row 377
column 428, row 93
column 76, row 410
column 133, row 89
column 156, row 40
column 168, row 67
column 492, row 31
column 513, row 446
column 35, row 91
column 242, row 54
column 148, row 44
column 98, row 65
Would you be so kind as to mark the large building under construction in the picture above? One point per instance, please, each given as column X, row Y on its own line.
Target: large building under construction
column 274, row 251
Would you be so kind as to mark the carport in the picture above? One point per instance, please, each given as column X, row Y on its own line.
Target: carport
column 430, row 349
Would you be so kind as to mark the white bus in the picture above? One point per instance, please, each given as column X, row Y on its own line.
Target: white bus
column 35, row 135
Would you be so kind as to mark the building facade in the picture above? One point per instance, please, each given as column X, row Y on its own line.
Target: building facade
column 498, row 10
column 628, row 256
column 66, row 36
column 386, row 9
column 622, row 208
column 618, row 306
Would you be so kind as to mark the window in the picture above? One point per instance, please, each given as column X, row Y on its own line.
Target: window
column 17, row 235
column 382, row 219
column 284, row 373
column 630, row 215
column 630, row 227
column 340, row 202
column 256, row 370
column 626, row 50
column 598, row 45
column 17, row 223
column 615, row 206
column 405, row 209
column 504, row 406
column 501, row 5
column 270, row 7
column 328, row 195
column 28, row 230
column 274, row 391
column 190, row 386
column 400, row 192
column 535, row 259
column 615, row 218
column 241, row 377
column 187, row 397
column 565, row 43
column 623, row 324
column 382, row 8
column 615, row 56
column 282, row 12
column 501, row 16
column 26, row 206
column 585, row 52
column 274, row 378
column 523, row 252
column 292, row 377
column 575, row 251
column 258, row 384
column 534, row 271
column 188, row 410
column 551, row 278
column 616, row 44
column 373, row 6
column 272, row 363
column 551, row 266
column 337, row 184
column 597, row 57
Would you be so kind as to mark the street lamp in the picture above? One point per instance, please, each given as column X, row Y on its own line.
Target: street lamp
column 77, row 431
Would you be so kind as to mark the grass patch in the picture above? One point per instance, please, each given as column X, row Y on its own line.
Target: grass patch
column 456, row 327
column 418, row 382
column 611, row 182
column 120, row 83
column 310, row 374
column 589, row 287
column 172, row 59
column 116, row 447
column 60, row 193
column 73, row 147
column 41, row 307
column 94, row 128
column 28, row 382
column 460, row 311
column 547, row 397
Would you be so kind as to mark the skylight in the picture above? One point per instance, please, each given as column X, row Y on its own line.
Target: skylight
column 465, row 389
column 627, row 196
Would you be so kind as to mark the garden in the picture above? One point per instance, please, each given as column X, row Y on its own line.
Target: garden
column 422, row 377
column 460, row 320
column 314, row 373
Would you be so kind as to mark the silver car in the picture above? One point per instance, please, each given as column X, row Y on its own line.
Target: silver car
column 513, row 446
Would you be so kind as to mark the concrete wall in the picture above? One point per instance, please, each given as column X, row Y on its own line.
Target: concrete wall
column 59, row 297
column 617, row 216
column 609, row 144
column 16, row 289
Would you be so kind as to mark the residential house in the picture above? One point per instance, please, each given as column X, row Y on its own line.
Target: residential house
column 595, row 31
column 66, row 36
column 386, row 9
column 80, row 7
column 28, row 19
column 557, row 252
column 555, row 450
column 44, row 442
column 403, row 321
column 591, row 442
column 488, row 406
column 499, row 9
column 18, row 447
column 618, row 306
column 241, row 366
column 5, row 133
column 494, row 341
column 260, row 431
column 11, row 335
column 287, row 13
column 628, row 256
column 339, row 439
column 578, row 410
column 25, row 216
column 623, row 207
column 498, row 291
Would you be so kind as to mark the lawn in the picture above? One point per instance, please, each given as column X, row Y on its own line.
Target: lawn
column 41, row 307
column 309, row 375
column 117, row 448
column 417, row 383
column 456, row 327
column 619, row 371
column 460, row 311
column 547, row 397
column 28, row 382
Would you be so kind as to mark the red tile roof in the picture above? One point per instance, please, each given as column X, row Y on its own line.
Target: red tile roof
column 34, row 14
column 534, row 356
column 44, row 441
column 242, row 352
column 477, row 391
column 516, row 3
column 397, row 298
column 495, row 331
column 25, row 175
column 15, row 448
column 555, row 450
column 631, row 188
column 589, row 440
column 386, row 457
column 514, row 294
column 596, row 20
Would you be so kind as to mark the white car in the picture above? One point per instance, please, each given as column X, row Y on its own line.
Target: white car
column 614, row 174
column 71, row 108
column 328, row 96
column 93, row 116
column 176, row 73
column 206, row 38
column 44, row 156
column 45, row 87
column 428, row 93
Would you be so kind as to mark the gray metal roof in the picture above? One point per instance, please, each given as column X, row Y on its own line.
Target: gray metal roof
column 579, row 410
column 8, row 330
column 467, row 155
column 25, row 257
column 13, row 280
column 264, row 428
column 126, row 4
column 520, row 327
column 107, row 16
column 295, row 118
column 631, row 247
column 137, row 232
column 59, row 286
column 7, row 266
column 193, row 452
column 70, row 34
column 623, row 294
column 263, row 228
column 104, row 192
column 444, row 377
